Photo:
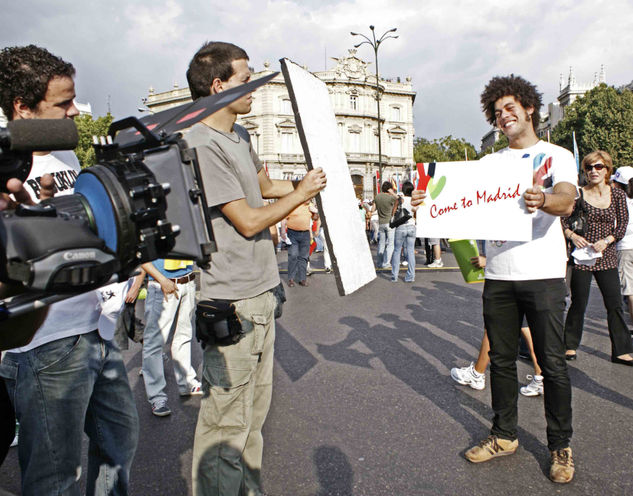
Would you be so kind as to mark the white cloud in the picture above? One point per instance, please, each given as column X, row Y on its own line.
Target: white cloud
column 451, row 48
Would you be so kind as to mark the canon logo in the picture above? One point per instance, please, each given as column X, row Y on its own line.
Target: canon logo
column 79, row 255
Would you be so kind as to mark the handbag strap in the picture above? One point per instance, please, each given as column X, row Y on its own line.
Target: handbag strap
column 395, row 206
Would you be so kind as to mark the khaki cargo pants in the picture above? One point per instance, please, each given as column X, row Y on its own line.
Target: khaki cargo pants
column 237, row 381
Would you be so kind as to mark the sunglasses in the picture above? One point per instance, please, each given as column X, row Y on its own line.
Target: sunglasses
column 598, row 167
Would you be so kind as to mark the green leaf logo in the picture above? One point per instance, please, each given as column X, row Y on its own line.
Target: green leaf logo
column 436, row 188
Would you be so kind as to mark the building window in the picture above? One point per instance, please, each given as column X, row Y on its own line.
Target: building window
column 287, row 142
column 354, row 142
column 395, row 114
column 353, row 102
column 396, row 146
column 286, row 107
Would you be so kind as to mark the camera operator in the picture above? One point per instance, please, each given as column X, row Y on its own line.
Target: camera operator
column 237, row 377
column 70, row 378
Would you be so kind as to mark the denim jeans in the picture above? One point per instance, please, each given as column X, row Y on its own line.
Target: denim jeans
column 385, row 244
column 405, row 236
column 60, row 390
column 298, row 253
column 609, row 284
column 160, row 318
column 543, row 303
column 238, row 384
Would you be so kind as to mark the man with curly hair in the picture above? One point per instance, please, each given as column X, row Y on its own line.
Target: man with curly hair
column 527, row 278
column 70, row 378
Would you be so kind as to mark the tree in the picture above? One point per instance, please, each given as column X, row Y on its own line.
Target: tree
column 446, row 149
column 87, row 128
column 602, row 120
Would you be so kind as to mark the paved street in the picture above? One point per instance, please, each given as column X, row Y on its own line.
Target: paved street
column 364, row 405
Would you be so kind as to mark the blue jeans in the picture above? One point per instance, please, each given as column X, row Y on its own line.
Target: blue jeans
column 298, row 253
column 60, row 390
column 160, row 318
column 405, row 236
column 385, row 244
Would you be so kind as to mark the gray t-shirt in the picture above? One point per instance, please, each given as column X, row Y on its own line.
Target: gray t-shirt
column 242, row 267
column 384, row 206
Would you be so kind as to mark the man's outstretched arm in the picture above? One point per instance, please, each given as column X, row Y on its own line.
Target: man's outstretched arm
column 249, row 221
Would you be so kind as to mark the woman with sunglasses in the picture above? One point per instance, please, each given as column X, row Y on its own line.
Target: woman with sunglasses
column 606, row 220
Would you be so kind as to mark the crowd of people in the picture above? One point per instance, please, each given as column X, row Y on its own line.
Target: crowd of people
column 71, row 378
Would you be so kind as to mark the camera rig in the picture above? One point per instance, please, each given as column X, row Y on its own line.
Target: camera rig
column 120, row 214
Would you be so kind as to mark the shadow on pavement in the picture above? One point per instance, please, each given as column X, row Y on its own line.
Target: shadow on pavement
column 334, row 472
column 291, row 355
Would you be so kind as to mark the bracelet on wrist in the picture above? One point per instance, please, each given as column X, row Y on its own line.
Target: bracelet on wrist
column 543, row 204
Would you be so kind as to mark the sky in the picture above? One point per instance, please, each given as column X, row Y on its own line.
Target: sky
column 450, row 48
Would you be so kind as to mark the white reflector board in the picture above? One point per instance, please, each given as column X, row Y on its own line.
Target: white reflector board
column 338, row 206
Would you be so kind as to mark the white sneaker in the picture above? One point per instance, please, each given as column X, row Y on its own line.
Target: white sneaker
column 17, row 432
column 436, row 263
column 404, row 263
column 468, row 376
column 534, row 388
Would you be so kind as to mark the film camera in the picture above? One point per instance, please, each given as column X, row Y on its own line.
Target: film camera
column 143, row 200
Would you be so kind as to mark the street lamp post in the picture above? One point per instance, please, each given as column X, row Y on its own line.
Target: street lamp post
column 375, row 44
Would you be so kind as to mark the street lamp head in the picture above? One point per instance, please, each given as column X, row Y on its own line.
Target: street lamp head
column 353, row 33
column 356, row 46
column 392, row 30
column 371, row 27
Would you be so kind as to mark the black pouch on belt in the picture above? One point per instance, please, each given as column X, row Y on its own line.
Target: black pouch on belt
column 217, row 323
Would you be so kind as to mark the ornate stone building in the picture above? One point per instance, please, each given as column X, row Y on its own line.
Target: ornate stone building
column 568, row 93
column 352, row 87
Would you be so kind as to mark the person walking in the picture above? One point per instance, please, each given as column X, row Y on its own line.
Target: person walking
column 405, row 236
column 383, row 204
column 623, row 179
column 605, row 222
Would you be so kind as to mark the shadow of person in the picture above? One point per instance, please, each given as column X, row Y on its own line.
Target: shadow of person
column 415, row 354
column 223, row 471
column 334, row 472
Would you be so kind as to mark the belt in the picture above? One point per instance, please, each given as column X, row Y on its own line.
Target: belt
column 184, row 279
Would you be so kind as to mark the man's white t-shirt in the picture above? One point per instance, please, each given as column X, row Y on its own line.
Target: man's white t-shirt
column 544, row 257
column 80, row 314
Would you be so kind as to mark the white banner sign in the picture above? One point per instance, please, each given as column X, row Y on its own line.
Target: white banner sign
column 475, row 200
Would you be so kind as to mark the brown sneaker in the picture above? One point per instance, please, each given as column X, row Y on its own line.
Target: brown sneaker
column 562, row 469
column 490, row 448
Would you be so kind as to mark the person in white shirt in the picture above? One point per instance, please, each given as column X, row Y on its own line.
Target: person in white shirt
column 70, row 378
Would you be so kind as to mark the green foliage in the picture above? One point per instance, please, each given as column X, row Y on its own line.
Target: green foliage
column 87, row 128
column 602, row 120
column 502, row 142
column 446, row 149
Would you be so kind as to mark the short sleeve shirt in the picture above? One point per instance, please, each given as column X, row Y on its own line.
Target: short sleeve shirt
column 545, row 257
column 384, row 206
column 242, row 267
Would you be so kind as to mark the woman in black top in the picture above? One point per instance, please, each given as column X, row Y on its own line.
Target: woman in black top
column 606, row 218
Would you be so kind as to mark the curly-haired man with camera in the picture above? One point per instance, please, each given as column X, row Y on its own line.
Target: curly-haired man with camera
column 70, row 378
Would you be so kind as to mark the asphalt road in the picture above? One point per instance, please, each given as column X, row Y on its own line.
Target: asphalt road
column 364, row 405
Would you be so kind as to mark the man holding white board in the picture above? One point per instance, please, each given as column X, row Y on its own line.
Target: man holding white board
column 238, row 356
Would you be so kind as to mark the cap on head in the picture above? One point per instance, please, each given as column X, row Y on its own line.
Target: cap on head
column 623, row 175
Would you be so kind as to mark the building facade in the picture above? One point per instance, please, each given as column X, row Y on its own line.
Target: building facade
column 352, row 89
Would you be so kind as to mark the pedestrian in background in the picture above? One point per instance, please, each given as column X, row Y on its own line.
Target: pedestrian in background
column 606, row 220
